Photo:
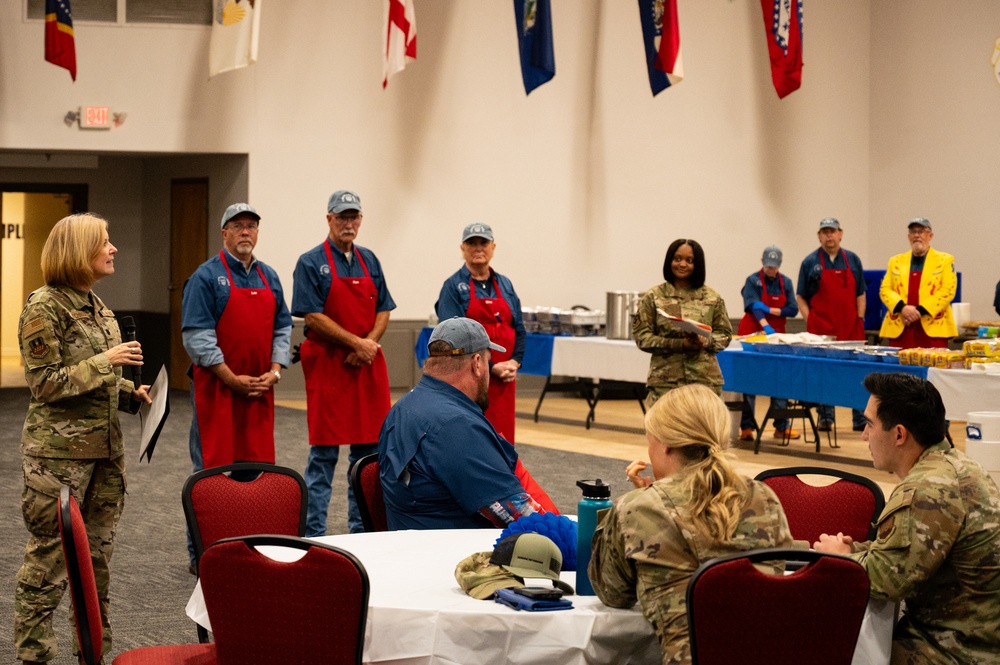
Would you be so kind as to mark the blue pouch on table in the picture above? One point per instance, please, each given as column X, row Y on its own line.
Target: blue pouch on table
column 517, row 601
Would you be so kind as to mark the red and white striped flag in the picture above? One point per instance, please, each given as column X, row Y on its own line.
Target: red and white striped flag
column 400, row 37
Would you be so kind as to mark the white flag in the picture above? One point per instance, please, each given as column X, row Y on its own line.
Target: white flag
column 400, row 37
column 235, row 32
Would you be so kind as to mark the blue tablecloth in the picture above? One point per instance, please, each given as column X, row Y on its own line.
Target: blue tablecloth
column 537, row 352
column 808, row 379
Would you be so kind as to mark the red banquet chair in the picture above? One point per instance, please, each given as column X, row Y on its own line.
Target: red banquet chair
column 738, row 614
column 242, row 499
column 268, row 612
column 851, row 505
column 86, row 606
column 368, row 493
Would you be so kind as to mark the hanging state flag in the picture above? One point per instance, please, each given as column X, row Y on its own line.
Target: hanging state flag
column 400, row 37
column 60, row 46
column 661, row 34
column 235, row 34
column 534, row 41
column 783, row 27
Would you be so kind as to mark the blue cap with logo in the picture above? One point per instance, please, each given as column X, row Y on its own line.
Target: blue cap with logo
column 343, row 199
column 771, row 257
column 477, row 230
column 238, row 209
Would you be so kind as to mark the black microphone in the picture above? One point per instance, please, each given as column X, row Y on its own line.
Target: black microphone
column 128, row 329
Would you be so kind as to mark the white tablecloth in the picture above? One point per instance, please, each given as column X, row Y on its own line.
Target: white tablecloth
column 599, row 358
column 419, row 616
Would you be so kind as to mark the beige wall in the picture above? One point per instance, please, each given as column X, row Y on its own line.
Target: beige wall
column 587, row 180
column 935, row 131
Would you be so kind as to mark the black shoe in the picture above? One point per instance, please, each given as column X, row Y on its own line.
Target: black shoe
column 824, row 425
column 193, row 568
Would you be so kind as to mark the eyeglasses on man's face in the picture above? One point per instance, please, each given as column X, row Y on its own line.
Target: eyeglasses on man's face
column 240, row 226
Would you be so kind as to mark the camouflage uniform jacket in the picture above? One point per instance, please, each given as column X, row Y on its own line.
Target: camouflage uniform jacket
column 75, row 392
column 938, row 549
column 647, row 547
column 672, row 364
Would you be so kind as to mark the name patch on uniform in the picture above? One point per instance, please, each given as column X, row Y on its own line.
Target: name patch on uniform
column 38, row 348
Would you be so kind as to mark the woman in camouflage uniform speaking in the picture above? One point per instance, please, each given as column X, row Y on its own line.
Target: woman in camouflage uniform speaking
column 649, row 544
column 680, row 357
column 73, row 356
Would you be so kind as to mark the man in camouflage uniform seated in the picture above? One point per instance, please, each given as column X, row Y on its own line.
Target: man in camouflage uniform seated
column 938, row 544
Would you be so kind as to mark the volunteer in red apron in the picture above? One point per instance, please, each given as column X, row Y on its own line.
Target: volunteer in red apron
column 831, row 296
column 768, row 300
column 236, row 329
column 917, row 291
column 479, row 293
column 340, row 291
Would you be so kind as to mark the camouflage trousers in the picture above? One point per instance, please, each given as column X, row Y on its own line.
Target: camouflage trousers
column 656, row 392
column 99, row 488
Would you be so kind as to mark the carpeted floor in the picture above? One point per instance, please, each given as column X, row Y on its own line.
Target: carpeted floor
column 150, row 581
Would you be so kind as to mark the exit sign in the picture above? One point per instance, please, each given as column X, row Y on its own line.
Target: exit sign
column 95, row 117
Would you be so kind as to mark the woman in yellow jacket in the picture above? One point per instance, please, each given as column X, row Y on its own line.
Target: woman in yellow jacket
column 917, row 289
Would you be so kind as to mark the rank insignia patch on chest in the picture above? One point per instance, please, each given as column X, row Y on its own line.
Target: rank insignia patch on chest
column 38, row 348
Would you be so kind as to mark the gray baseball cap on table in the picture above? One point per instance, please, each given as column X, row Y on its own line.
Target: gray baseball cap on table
column 477, row 230
column 771, row 257
column 829, row 223
column 464, row 335
column 920, row 221
column 237, row 209
column 343, row 199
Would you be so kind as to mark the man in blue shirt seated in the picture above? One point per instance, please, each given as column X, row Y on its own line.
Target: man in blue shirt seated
column 441, row 462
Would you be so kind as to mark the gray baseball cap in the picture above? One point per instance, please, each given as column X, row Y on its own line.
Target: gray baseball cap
column 237, row 209
column 771, row 257
column 464, row 335
column 343, row 199
column 920, row 221
column 477, row 230
column 829, row 223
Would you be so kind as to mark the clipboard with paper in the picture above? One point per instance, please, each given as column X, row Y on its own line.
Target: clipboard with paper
column 688, row 325
column 152, row 416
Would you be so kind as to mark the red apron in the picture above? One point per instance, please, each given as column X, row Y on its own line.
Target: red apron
column 233, row 427
column 345, row 404
column 833, row 310
column 495, row 315
column 750, row 324
column 913, row 335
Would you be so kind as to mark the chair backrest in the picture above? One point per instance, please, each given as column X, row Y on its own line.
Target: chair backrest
column 80, row 571
column 850, row 505
column 241, row 500
column 368, row 493
column 738, row 614
column 271, row 612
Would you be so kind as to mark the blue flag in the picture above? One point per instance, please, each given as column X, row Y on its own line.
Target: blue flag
column 534, row 41
column 661, row 36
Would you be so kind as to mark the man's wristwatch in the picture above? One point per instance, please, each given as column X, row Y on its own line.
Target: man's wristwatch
column 276, row 373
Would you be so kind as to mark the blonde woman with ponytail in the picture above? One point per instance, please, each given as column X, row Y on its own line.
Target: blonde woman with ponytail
column 694, row 508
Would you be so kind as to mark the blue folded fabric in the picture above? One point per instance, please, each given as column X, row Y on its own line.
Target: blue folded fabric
column 518, row 602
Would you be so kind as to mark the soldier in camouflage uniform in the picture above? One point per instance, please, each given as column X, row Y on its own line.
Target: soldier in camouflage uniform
column 73, row 356
column 938, row 544
column 680, row 358
column 648, row 545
